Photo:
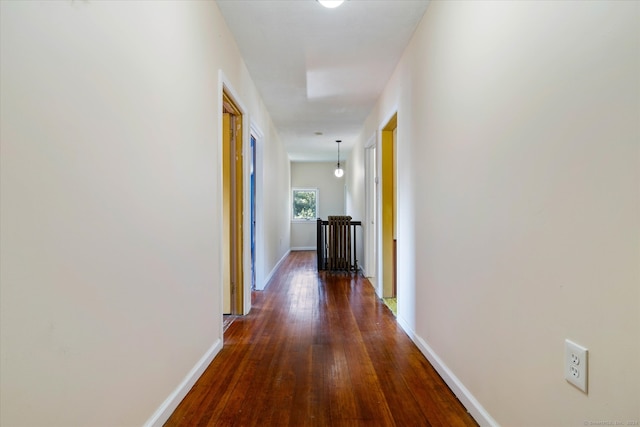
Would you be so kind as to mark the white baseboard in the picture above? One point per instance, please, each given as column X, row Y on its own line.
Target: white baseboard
column 162, row 414
column 273, row 270
column 463, row 394
column 304, row 248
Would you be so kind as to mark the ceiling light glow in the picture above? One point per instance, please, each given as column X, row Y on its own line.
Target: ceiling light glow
column 330, row 3
column 339, row 171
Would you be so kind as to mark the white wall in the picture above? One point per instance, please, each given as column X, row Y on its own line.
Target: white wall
column 519, row 203
column 110, row 221
column 355, row 197
column 331, row 196
column 276, row 239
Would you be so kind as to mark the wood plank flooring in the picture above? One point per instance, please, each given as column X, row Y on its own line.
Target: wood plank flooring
column 318, row 349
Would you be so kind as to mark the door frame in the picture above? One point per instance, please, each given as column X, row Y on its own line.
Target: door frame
column 252, row 207
column 371, row 210
column 242, row 301
column 256, row 132
column 234, row 206
column 388, row 206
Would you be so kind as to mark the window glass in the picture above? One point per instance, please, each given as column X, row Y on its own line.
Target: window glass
column 305, row 204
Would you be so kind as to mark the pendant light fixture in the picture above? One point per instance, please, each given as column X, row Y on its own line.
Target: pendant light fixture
column 338, row 172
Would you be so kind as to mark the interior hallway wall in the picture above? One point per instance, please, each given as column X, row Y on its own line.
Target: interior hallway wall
column 110, row 221
column 275, row 242
column 318, row 175
column 355, row 197
column 519, row 203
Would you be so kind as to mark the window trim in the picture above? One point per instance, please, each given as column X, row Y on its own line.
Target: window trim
column 315, row 190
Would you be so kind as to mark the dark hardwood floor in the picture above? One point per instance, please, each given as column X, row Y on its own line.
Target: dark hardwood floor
column 318, row 350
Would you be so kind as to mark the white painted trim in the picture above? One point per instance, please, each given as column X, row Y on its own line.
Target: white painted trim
column 370, row 238
column 304, row 248
column 372, row 141
column 393, row 110
column 254, row 130
column 246, row 215
column 219, row 198
column 162, row 414
column 266, row 281
column 472, row 405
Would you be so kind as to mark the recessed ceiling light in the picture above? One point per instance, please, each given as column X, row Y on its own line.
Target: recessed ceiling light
column 330, row 3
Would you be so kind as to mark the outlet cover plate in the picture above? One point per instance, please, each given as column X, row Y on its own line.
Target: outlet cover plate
column 576, row 364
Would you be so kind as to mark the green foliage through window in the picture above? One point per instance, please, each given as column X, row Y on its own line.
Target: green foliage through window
column 304, row 204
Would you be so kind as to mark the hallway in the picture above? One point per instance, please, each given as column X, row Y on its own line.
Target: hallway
column 318, row 350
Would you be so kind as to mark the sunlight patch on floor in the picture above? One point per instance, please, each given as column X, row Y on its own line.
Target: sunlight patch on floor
column 392, row 303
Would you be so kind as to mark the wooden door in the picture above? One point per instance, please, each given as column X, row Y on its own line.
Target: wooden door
column 232, row 183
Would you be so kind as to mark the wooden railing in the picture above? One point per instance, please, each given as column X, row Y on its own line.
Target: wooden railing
column 336, row 244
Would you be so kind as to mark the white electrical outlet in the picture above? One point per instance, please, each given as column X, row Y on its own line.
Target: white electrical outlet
column 575, row 364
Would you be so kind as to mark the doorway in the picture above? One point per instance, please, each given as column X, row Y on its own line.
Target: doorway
column 371, row 212
column 232, row 203
column 389, row 207
column 252, row 201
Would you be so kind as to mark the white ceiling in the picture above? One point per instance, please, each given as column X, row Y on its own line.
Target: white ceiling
column 319, row 69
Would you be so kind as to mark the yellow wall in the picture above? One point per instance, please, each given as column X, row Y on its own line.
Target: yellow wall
column 388, row 196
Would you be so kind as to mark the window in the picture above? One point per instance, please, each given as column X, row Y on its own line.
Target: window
column 305, row 204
